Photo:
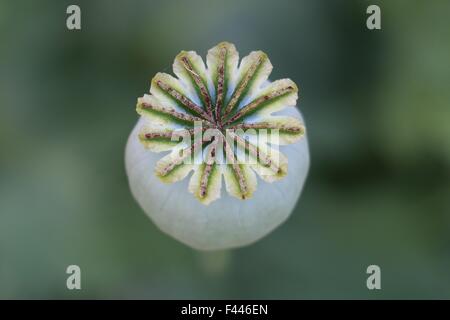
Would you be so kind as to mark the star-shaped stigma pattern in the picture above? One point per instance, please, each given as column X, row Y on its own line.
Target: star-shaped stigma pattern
column 219, row 120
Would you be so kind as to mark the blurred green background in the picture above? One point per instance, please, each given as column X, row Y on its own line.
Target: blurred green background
column 376, row 104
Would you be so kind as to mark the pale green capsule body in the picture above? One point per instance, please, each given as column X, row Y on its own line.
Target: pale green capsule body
column 217, row 205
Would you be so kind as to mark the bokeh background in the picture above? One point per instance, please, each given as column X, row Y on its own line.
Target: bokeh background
column 377, row 109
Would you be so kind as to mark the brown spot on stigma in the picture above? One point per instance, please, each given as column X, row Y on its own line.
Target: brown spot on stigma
column 199, row 82
column 257, row 102
column 244, row 83
column 220, row 82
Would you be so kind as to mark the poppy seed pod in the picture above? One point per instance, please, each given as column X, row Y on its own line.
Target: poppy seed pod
column 219, row 124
